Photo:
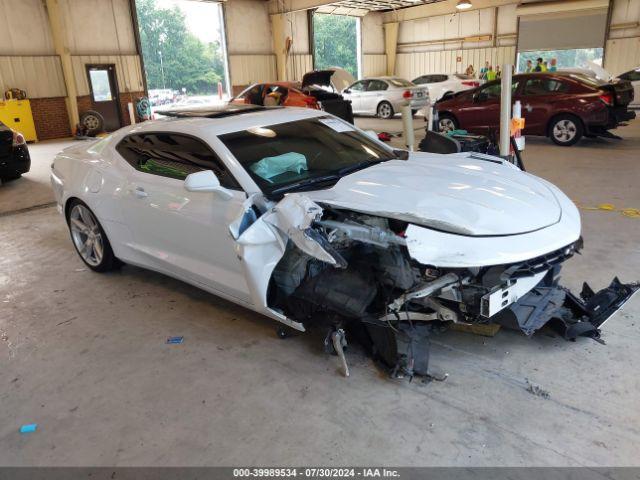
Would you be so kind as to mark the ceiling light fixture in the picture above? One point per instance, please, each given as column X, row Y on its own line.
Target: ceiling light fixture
column 464, row 5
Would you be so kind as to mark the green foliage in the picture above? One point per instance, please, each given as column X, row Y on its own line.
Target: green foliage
column 566, row 58
column 173, row 57
column 335, row 42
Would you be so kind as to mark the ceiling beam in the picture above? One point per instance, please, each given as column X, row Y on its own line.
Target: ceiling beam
column 439, row 8
column 278, row 6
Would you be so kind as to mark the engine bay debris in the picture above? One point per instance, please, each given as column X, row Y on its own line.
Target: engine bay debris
column 352, row 275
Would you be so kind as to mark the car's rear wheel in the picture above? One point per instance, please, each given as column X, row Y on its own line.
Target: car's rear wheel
column 385, row 110
column 566, row 130
column 447, row 122
column 89, row 238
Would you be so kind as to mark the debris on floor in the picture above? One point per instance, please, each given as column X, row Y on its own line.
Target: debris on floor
column 29, row 428
column 536, row 390
column 174, row 340
column 485, row 330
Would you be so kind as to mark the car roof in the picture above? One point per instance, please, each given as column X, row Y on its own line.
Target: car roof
column 217, row 121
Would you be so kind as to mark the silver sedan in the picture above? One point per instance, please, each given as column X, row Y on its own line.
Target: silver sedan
column 385, row 96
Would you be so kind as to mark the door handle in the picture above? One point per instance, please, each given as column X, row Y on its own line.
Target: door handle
column 139, row 192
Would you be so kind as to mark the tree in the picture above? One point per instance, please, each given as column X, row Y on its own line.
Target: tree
column 173, row 57
column 335, row 42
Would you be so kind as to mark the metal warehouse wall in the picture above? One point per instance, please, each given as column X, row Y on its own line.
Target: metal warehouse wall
column 93, row 27
column 94, row 31
column 412, row 65
column 449, row 43
column 249, row 42
column 622, row 51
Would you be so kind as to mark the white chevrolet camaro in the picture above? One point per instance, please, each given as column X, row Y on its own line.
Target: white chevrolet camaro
column 308, row 220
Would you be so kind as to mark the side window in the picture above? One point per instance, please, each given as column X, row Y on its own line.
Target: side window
column 544, row 86
column 492, row 91
column 359, row 86
column 253, row 94
column 173, row 155
column 439, row 78
column 421, row 80
column 376, row 86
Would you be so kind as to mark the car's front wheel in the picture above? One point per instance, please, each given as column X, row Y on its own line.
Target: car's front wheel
column 89, row 238
column 566, row 130
column 385, row 110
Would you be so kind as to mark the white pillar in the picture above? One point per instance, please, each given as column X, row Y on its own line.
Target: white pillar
column 505, row 111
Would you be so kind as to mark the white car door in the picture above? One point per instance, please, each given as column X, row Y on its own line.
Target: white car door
column 354, row 93
column 177, row 231
column 374, row 94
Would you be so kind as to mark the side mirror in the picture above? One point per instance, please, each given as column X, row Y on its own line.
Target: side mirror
column 346, row 90
column 401, row 154
column 206, row 181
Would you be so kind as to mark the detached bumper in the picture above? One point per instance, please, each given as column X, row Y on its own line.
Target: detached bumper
column 567, row 314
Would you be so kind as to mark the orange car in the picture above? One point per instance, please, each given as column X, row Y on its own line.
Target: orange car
column 318, row 90
column 286, row 94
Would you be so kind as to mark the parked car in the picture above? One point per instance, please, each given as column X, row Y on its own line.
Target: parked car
column 441, row 84
column 564, row 107
column 633, row 76
column 14, row 154
column 319, row 89
column 304, row 218
column 385, row 96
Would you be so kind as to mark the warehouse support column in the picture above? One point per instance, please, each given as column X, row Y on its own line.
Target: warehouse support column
column 505, row 111
column 57, row 30
column 279, row 44
column 391, row 45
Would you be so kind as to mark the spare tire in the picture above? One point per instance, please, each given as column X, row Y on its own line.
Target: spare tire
column 92, row 121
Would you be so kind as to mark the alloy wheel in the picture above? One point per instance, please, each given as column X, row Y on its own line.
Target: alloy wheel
column 385, row 110
column 86, row 235
column 564, row 131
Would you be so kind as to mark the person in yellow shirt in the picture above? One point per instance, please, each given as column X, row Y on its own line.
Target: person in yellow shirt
column 491, row 74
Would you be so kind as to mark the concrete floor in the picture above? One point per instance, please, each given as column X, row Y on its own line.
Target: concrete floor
column 84, row 356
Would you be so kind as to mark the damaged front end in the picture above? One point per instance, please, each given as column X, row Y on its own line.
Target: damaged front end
column 352, row 273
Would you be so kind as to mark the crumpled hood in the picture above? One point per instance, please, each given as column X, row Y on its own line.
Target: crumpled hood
column 452, row 193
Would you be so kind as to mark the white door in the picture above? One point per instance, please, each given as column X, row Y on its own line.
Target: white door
column 354, row 94
column 374, row 94
column 182, row 232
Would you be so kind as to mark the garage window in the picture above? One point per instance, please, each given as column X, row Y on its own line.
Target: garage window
column 172, row 155
column 542, row 86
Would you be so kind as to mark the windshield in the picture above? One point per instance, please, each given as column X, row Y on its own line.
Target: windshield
column 463, row 76
column 303, row 154
column 400, row 82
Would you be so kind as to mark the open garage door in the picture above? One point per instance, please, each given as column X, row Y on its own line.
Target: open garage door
column 336, row 42
column 184, row 52
column 569, row 38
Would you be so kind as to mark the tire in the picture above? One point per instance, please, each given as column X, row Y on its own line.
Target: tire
column 89, row 238
column 565, row 130
column 92, row 121
column 447, row 122
column 385, row 110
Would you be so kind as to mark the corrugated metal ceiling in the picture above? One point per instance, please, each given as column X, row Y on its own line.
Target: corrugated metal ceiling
column 361, row 7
